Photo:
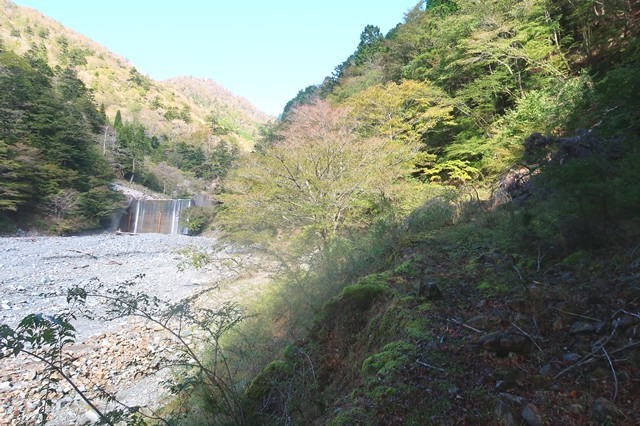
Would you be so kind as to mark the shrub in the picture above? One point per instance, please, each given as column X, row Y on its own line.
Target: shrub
column 197, row 219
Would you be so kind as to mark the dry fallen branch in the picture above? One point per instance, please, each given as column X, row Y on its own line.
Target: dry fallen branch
column 577, row 315
column 613, row 372
column 592, row 355
column 630, row 345
column 429, row 365
column 519, row 274
column 93, row 256
column 528, row 336
column 462, row 324
column 630, row 313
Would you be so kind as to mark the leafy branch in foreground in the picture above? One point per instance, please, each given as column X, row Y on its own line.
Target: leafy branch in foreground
column 45, row 338
column 192, row 330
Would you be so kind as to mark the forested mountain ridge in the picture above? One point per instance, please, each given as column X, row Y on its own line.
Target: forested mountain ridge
column 75, row 111
column 117, row 85
column 233, row 114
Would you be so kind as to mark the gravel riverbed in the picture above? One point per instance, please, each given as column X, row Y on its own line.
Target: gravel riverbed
column 120, row 356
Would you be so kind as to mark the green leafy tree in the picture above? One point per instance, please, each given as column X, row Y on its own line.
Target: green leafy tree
column 133, row 145
column 117, row 121
column 139, row 80
column 370, row 43
column 407, row 111
column 16, row 176
column 318, row 181
column 305, row 96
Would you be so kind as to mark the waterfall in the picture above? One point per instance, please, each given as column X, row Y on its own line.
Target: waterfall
column 159, row 216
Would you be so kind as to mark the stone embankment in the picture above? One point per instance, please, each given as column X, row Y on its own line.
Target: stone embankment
column 124, row 357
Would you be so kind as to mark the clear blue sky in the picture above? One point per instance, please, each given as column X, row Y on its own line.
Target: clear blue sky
column 264, row 50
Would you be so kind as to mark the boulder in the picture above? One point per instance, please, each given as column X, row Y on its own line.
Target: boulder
column 504, row 343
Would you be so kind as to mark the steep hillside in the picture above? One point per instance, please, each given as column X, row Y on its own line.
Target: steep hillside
column 226, row 112
column 499, row 283
column 161, row 107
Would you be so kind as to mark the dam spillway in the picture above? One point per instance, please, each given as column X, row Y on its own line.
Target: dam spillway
column 155, row 216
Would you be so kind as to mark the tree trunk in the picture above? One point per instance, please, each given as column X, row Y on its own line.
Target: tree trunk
column 133, row 169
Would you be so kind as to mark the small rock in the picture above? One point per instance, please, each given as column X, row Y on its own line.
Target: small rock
column 92, row 416
column 63, row 402
column 570, row 357
column 582, row 327
column 483, row 322
column 576, row 408
column 512, row 399
column 557, row 325
column 599, row 326
column 545, row 370
column 504, row 343
column 531, row 415
column 626, row 321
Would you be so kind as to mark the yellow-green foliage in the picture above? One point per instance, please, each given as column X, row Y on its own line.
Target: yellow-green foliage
column 318, row 182
column 406, row 111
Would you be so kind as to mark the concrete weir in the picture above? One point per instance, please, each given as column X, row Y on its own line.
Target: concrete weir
column 159, row 216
